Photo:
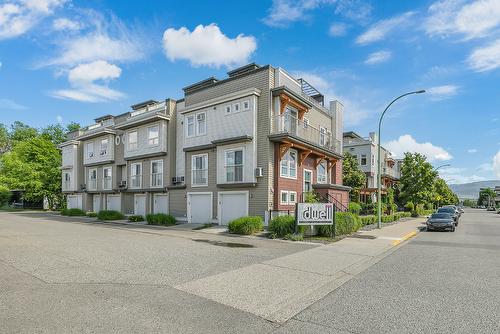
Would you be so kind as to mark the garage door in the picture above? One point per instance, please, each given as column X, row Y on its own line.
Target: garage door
column 140, row 205
column 199, row 208
column 232, row 205
column 160, row 203
column 96, row 203
column 113, row 202
column 74, row 202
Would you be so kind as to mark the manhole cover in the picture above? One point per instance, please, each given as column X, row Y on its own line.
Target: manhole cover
column 224, row 244
column 362, row 236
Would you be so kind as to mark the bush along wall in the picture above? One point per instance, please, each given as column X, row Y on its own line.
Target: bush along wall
column 160, row 219
column 110, row 215
column 246, row 225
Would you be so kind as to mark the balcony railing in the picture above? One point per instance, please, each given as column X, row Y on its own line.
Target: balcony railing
column 93, row 184
column 135, row 181
column 106, row 183
column 158, row 107
column 287, row 124
column 156, row 179
column 66, row 185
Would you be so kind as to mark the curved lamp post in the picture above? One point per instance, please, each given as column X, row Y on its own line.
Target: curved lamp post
column 447, row 165
column 379, row 177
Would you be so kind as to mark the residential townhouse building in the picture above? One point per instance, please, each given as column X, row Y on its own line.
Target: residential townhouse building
column 365, row 152
column 250, row 144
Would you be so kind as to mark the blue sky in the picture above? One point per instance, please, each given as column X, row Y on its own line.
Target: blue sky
column 63, row 61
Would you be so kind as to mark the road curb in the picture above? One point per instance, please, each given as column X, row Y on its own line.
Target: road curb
column 404, row 238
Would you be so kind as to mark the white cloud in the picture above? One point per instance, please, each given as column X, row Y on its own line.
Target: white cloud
column 379, row 30
column 472, row 20
column 337, row 29
column 1, row 64
column 18, row 17
column 207, row 45
column 378, row 57
column 61, row 24
column 486, row 167
column 82, row 79
column 496, row 164
column 7, row 104
column 472, row 150
column 485, row 58
column 460, row 178
column 442, row 92
column 59, row 119
column 406, row 143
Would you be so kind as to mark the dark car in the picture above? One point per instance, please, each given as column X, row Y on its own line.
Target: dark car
column 441, row 221
column 451, row 211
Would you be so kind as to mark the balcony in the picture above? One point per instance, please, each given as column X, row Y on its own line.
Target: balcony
column 66, row 185
column 145, row 114
column 92, row 184
column 106, row 183
column 298, row 131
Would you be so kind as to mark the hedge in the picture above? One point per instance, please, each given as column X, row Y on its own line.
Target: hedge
column 91, row 214
column 246, row 225
column 136, row 218
column 283, row 225
column 72, row 212
column 110, row 215
column 5, row 195
column 345, row 223
column 355, row 208
column 160, row 219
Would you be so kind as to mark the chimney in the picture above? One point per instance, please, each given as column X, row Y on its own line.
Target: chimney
column 337, row 110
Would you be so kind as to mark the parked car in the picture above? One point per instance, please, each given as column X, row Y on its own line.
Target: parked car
column 441, row 221
column 451, row 211
column 457, row 210
column 491, row 208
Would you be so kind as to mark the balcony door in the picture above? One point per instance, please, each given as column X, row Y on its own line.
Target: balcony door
column 291, row 120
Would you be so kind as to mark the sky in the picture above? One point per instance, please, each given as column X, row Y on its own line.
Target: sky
column 67, row 61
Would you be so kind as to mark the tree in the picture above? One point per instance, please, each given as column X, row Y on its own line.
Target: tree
column 20, row 132
column 486, row 196
column 470, row 203
column 72, row 127
column 443, row 195
column 4, row 139
column 417, row 180
column 55, row 133
column 33, row 165
column 353, row 176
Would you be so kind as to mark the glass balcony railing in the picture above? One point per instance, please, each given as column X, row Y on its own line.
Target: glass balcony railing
column 287, row 124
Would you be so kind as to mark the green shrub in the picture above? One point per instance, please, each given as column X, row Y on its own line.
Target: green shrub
column 135, row 218
column 311, row 197
column 367, row 208
column 160, row 219
column 346, row 223
column 282, row 225
column 409, row 206
column 4, row 196
column 368, row 220
column 246, row 225
column 354, row 208
column 294, row 237
column 72, row 212
column 91, row 214
column 110, row 215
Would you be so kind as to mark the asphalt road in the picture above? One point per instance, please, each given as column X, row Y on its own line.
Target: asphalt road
column 58, row 276
column 439, row 282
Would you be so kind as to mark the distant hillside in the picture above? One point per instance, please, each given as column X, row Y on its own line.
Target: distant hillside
column 471, row 190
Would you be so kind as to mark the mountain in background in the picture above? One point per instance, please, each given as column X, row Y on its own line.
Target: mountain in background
column 471, row 190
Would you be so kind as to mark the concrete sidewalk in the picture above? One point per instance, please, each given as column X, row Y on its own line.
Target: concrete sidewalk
column 278, row 289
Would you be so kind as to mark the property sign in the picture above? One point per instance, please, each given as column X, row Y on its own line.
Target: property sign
column 315, row 214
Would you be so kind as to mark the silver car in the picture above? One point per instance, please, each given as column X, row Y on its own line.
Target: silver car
column 441, row 221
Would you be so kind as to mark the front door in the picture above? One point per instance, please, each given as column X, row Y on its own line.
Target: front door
column 140, row 205
column 160, row 203
column 307, row 180
column 96, row 203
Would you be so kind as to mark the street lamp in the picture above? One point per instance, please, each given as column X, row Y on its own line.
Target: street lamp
column 379, row 177
column 447, row 165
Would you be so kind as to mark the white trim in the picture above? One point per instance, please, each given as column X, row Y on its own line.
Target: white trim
column 228, row 110
column 304, row 179
column 281, row 197
column 87, row 153
column 290, row 200
column 243, row 105
column 296, row 165
column 157, row 125
column 242, row 149
column 219, row 202
column 88, row 178
column 323, row 163
column 192, row 170
column 188, row 204
column 136, row 140
column 197, row 123
column 140, row 175
column 104, row 179
column 151, row 173
column 236, row 108
column 187, row 123
column 222, row 99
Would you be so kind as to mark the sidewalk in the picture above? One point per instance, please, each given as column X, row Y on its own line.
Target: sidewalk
column 277, row 290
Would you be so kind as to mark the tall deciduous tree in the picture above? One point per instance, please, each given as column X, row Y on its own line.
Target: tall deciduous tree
column 417, row 180
column 443, row 195
column 353, row 176
column 486, row 196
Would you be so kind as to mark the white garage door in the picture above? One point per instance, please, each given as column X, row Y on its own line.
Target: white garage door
column 199, row 208
column 113, row 202
column 160, row 203
column 74, row 202
column 96, row 203
column 140, row 205
column 232, row 205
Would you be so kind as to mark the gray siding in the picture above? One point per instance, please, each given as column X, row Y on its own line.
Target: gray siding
column 178, row 202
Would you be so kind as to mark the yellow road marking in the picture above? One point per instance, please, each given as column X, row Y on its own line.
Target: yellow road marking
column 405, row 237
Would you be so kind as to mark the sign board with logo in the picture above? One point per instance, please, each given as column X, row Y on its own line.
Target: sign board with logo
column 315, row 214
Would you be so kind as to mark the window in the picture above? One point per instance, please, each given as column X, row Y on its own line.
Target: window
column 228, row 110
column 199, row 170
column 93, row 179
column 355, row 158
column 90, row 150
column 66, row 181
column 201, row 123
column 322, row 136
column 307, row 180
column 288, row 197
column 246, row 105
column 234, row 165
column 157, row 173
column 290, row 120
column 289, row 164
column 373, row 160
column 236, row 107
column 154, row 135
column 106, row 178
column 363, row 159
column 136, row 175
column 132, row 141
column 190, row 126
column 104, row 146
column 321, row 173
column 306, row 123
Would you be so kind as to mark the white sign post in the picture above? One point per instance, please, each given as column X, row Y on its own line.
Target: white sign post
column 315, row 214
